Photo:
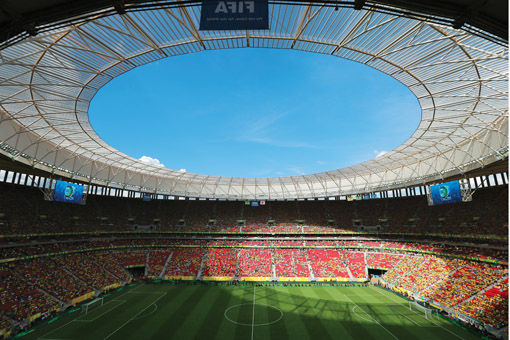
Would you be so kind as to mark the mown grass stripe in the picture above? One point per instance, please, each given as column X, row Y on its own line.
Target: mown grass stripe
column 190, row 311
column 277, row 330
column 294, row 328
column 214, row 318
column 243, row 332
column 309, row 315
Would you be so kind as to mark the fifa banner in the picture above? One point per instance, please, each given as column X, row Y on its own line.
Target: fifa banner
column 234, row 15
column 446, row 193
column 68, row 192
column 255, row 279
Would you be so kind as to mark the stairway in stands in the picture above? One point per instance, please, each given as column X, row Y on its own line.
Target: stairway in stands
column 312, row 275
column 482, row 291
column 162, row 275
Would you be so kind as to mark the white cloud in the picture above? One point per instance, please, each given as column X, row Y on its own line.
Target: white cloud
column 297, row 170
column 379, row 153
column 182, row 170
column 151, row 161
column 263, row 130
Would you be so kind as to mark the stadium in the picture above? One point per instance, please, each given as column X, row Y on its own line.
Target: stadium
column 97, row 244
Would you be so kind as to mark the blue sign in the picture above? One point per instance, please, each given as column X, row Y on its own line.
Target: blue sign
column 68, row 192
column 234, row 15
column 446, row 193
column 254, row 204
column 146, row 197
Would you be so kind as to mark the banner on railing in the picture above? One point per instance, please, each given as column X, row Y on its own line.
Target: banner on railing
column 254, row 278
column 216, row 278
column 296, row 279
column 82, row 298
column 179, row 278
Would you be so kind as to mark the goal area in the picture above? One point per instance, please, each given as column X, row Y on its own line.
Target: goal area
column 419, row 309
column 92, row 305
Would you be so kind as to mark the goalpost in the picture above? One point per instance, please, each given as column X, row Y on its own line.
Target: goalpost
column 90, row 306
column 418, row 309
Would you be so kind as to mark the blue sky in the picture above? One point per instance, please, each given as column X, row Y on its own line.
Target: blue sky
column 254, row 113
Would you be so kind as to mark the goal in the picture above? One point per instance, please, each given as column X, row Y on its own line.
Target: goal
column 419, row 309
column 92, row 305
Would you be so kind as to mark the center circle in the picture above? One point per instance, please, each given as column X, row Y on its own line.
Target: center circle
column 249, row 314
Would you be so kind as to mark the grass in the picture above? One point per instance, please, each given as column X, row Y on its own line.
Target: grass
column 159, row 311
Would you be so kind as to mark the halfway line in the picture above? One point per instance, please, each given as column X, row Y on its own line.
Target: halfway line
column 253, row 314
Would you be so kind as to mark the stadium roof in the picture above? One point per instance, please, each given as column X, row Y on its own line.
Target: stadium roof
column 459, row 77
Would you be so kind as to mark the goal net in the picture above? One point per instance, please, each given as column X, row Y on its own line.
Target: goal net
column 418, row 309
column 92, row 305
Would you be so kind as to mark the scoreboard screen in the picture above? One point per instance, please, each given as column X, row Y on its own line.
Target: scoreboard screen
column 446, row 193
column 68, row 192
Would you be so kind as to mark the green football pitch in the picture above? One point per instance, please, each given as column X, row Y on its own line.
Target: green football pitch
column 160, row 311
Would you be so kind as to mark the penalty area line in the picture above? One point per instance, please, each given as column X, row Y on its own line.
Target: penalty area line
column 370, row 316
column 67, row 323
column 134, row 317
column 446, row 329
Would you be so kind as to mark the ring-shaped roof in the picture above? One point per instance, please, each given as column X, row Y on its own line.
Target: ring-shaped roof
column 459, row 79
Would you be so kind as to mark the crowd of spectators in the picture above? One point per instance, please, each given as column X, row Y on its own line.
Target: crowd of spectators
column 132, row 257
column 469, row 279
column 25, row 211
column 110, row 263
column 46, row 274
column 327, row 263
column 133, row 241
column 286, row 243
column 291, row 263
column 383, row 260
column 157, row 260
column 87, row 270
column 461, row 284
column 416, row 273
column 490, row 307
column 355, row 261
column 185, row 262
column 19, row 299
column 254, row 263
column 253, row 228
column 220, row 262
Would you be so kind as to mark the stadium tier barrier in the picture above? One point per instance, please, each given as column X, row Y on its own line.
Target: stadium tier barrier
column 217, row 278
column 179, row 278
column 294, row 279
column 255, row 279
column 223, row 233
